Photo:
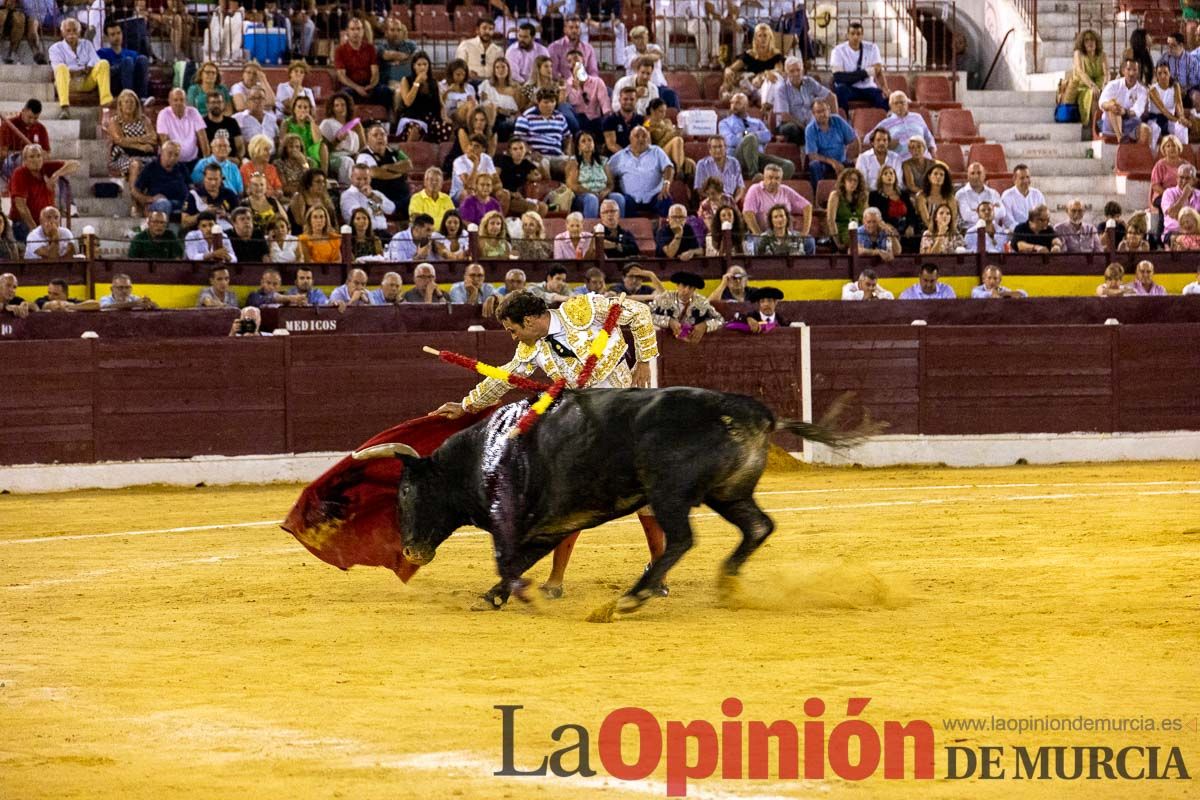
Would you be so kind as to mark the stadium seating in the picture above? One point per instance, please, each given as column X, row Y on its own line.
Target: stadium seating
column 1134, row 161
column 957, row 126
column 864, row 120
column 991, row 156
column 935, row 92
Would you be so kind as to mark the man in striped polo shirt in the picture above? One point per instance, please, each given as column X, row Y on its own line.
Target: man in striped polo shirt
column 546, row 130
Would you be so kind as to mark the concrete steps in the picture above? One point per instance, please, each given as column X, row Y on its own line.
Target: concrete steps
column 1006, row 114
column 1023, row 150
column 1078, row 167
column 1050, row 182
column 1029, row 131
column 1015, row 101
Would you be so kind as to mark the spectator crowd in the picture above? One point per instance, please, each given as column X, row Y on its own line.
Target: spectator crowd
column 532, row 131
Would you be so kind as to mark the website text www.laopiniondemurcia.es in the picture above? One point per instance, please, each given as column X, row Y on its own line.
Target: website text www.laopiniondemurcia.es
column 852, row 750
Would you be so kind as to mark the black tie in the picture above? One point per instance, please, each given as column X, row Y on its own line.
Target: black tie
column 560, row 349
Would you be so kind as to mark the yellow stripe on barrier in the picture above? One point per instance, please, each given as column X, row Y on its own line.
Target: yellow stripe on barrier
column 177, row 296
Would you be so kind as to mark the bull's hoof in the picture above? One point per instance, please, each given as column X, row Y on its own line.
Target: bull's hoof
column 629, row 603
column 519, row 589
column 662, row 590
column 492, row 601
column 551, row 592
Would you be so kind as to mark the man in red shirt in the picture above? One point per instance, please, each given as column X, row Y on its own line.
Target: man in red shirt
column 32, row 187
column 22, row 129
column 357, row 63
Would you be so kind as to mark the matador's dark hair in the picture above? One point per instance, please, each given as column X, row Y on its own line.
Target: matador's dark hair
column 516, row 306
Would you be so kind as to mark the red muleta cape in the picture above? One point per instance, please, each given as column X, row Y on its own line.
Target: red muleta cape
column 348, row 515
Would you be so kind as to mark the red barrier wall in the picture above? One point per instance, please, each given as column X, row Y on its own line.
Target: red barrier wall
column 119, row 399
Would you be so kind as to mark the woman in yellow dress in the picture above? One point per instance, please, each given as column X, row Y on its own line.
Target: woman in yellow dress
column 1088, row 75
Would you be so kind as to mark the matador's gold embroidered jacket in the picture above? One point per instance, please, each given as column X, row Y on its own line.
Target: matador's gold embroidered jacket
column 575, row 323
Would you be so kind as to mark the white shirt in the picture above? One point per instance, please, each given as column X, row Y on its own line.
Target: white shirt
column 1192, row 288
column 478, row 57
column 82, row 57
column 377, row 205
column 37, row 238
column 284, row 92
column 969, row 199
column 851, row 292
column 196, row 246
column 843, row 59
column 286, row 253
column 870, row 167
column 994, row 242
column 642, row 102
column 1017, row 206
column 632, row 55
column 463, row 166
column 1131, row 98
column 251, row 127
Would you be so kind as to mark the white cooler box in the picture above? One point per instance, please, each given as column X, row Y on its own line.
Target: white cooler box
column 698, row 122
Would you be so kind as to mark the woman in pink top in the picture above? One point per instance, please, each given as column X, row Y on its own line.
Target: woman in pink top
column 574, row 242
column 1166, row 171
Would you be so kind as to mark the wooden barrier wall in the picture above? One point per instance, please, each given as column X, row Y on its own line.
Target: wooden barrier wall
column 437, row 319
column 119, row 399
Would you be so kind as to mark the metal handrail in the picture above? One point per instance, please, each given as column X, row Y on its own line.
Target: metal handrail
column 996, row 60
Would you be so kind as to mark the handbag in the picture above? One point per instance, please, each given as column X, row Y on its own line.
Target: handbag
column 1066, row 112
column 560, row 199
column 855, row 75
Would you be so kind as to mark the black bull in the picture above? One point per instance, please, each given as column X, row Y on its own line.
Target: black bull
column 595, row 456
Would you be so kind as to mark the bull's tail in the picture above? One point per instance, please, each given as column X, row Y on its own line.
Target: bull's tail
column 829, row 432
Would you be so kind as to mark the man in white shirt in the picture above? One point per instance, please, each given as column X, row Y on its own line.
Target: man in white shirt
column 700, row 19
column 361, row 195
column 852, row 56
column 256, row 118
column 866, row 288
column 1020, row 198
column 995, row 236
column 641, row 48
column 480, row 52
column 470, row 164
column 1194, row 286
column 881, row 155
column 1123, row 102
column 991, row 286
column 975, row 192
column 208, row 242
column 75, row 59
column 50, row 240
column 643, row 85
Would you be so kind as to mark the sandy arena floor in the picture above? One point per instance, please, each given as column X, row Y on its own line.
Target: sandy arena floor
column 167, row 643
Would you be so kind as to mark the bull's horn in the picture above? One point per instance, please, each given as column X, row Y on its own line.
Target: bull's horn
column 384, row 451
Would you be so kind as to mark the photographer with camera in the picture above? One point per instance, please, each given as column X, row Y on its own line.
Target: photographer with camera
column 247, row 323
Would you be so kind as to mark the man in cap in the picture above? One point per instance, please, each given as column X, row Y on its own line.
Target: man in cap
column 764, row 317
column 687, row 314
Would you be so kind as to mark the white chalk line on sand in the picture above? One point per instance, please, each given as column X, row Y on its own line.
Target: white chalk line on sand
column 826, row 507
column 93, row 574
